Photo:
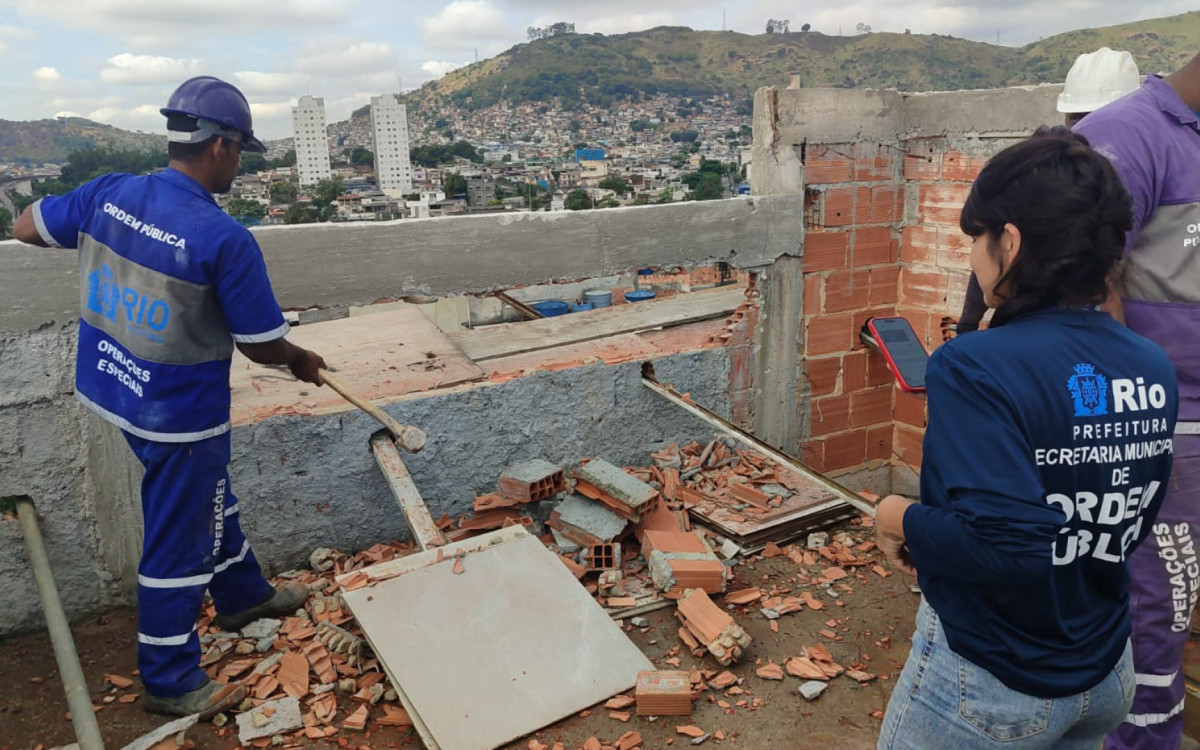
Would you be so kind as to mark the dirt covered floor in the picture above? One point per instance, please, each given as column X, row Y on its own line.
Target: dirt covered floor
column 866, row 625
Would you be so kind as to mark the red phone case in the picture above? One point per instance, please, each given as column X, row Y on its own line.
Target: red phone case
column 891, row 363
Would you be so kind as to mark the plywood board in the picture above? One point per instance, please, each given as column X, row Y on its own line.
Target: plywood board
column 534, row 335
column 507, row 646
column 378, row 356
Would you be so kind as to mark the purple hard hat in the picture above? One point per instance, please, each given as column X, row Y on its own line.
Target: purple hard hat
column 218, row 108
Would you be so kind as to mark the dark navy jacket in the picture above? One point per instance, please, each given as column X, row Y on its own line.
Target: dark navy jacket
column 1046, row 458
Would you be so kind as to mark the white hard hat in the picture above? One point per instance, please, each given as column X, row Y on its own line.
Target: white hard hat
column 1098, row 78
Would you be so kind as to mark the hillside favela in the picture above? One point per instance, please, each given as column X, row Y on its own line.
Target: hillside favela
column 478, row 374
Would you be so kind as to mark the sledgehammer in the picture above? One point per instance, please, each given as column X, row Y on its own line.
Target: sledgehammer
column 411, row 439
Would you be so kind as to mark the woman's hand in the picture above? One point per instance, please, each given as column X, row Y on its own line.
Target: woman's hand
column 889, row 532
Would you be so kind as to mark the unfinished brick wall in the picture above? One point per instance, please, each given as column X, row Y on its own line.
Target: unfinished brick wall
column 882, row 238
column 934, row 260
column 854, row 206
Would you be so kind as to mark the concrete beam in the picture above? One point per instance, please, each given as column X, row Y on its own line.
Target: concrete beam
column 793, row 116
column 992, row 113
column 354, row 264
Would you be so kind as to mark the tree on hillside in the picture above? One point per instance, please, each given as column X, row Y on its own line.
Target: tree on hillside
column 578, row 200
column 242, row 207
column 6, row 220
column 288, row 160
column 806, row 27
column 283, row 191
column 777, row 26
column 455, row 185
column 554, row 29
column 616, row 184
column 359, row 156
column 862, row 28
column 327, row 191
column 252, row 163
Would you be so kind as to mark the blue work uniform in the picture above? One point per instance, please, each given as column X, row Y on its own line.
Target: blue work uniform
column 168, row 282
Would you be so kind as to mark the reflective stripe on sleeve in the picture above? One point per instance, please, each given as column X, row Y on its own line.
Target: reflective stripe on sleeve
column 1156, row 680
column 258, row 338
column 40, row 224
column 1147, row 720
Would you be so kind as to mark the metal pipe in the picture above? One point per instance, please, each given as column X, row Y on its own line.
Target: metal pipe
column 83, row 716
column 842, row 493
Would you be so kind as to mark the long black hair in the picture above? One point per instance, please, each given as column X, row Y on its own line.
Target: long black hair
column 1072, row 212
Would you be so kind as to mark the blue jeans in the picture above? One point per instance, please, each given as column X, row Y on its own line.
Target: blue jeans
column 944, row 701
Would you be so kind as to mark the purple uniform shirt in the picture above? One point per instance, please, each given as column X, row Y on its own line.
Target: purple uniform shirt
column 1153, row 141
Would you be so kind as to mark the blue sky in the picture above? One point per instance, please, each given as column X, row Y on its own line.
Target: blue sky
column 116, row 61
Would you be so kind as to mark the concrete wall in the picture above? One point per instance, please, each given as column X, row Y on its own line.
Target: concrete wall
column 305, row 482
column 327, row 265
column 310, row 482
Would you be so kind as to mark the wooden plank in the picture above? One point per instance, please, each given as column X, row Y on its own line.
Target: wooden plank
column 515, row 338
column 505, row 646
column 423, row 528
column 529, row 312
column 379, row 357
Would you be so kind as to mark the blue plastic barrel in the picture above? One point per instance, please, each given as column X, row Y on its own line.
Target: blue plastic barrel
column 639, row 295
column 581, row 306
column 551, row 308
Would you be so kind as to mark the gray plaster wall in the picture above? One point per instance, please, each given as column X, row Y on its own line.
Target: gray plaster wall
column 325, row 265
column 44, row 453
column 307, row 482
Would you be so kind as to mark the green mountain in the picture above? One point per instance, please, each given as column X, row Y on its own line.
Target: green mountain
column 681, row 61
column 38, row 141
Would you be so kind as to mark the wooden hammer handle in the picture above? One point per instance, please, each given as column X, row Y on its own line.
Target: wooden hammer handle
column 411, row 439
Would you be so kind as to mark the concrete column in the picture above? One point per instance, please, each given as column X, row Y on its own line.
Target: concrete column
column 779, row 389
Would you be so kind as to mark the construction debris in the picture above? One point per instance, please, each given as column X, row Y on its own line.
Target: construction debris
column 723, row 638
column 268, row 719
column 663, row 693
column 167, row 732
column 532, row 481
column 637, row 554
column 682, row 560
column 616, row 489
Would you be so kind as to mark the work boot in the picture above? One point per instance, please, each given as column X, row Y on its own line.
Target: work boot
column 209, row 699
column 283, row 601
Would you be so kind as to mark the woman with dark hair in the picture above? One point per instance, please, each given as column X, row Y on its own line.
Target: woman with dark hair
column 1045, row 461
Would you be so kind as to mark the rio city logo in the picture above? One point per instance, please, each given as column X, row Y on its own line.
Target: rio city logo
column 1090, row 391
column 107, row 297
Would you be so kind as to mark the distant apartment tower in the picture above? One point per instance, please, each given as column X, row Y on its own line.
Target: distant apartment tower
column 389, row 140
column 312, row 140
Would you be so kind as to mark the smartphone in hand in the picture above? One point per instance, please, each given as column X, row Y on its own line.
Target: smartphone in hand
column 902, row 350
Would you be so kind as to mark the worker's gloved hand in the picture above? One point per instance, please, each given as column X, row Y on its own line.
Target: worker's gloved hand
column 889, row 532
column 306, row 365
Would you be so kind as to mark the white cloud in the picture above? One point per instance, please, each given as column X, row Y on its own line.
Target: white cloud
column 11, row 31
column 354, row 59
column 622, row 24
column 437, row 69
column 153, row 25
column 138, row 117
column 267, row 110
column 46, row 75
column 252, row 83
column 463, row 24
column 127, row 68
